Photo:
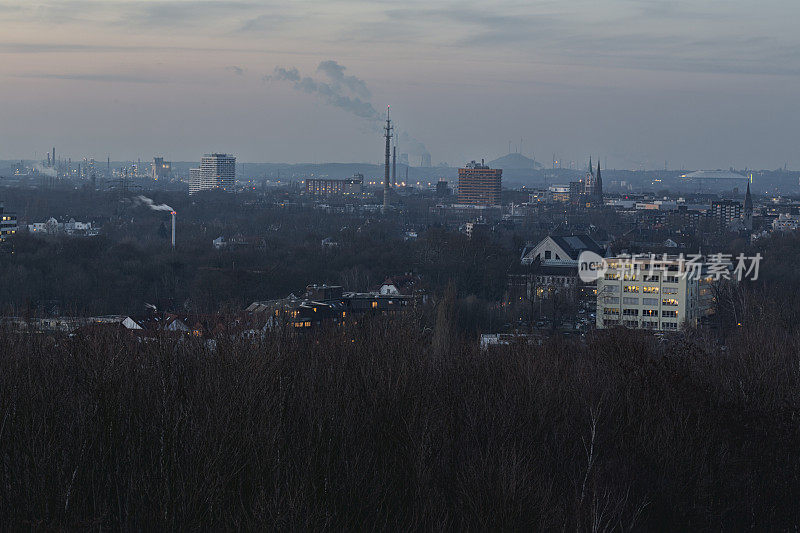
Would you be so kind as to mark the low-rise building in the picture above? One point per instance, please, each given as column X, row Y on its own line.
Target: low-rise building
column 786, row 222
column 8, row 223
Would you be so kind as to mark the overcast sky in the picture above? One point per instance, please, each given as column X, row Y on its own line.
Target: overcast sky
column 698, row 84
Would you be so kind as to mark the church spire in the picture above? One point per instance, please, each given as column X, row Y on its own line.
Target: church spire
column 598, row 185
column 748, row 200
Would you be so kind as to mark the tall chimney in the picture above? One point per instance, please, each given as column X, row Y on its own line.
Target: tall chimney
column 173, row 229
column 388, row 135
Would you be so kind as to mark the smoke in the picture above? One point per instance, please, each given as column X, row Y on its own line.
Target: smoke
column 144, row 200
column 47, row 171
column 346, row 92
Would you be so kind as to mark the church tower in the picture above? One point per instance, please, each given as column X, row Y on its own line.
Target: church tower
column 598, row 187
column 748, row 209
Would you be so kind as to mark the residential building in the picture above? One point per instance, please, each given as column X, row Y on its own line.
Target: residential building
column 479, row 185
column 786, row 222
column 725, row 212
column 659, row 294
column 217, row 171
column 561, row 250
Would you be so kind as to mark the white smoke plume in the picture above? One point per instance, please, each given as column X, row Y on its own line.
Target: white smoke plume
column 344, row 91
column 139, row 200
column 47, row 171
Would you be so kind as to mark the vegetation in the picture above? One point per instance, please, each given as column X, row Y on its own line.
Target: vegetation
column 392, row 426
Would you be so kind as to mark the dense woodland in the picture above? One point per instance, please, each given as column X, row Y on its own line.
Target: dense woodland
column 400, row 424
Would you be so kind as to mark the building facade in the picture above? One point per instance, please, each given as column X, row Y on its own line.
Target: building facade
column 217, row 171
column 8, row 223
column 479, row 185
column 161, row 169
column 662, row 294
column 331, row 187
column 725, row 212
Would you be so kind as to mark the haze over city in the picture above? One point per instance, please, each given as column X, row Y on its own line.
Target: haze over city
column 694, row 84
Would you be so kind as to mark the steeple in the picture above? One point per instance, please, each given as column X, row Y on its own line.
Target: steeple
column 591, row 173
column 748, row 209
column 748, row 200
column 598, row 186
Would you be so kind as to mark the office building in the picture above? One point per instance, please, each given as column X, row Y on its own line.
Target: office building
column 479, row 185
column 660, row 294
column 217, row 171
column 8, row 223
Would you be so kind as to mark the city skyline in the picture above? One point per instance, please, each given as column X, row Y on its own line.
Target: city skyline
column 641, row 83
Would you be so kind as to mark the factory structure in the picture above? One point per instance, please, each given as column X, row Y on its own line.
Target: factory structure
column 160, row 169
column 217, row 171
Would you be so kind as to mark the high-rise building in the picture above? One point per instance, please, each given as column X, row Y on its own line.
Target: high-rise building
column 217, row 171
column 479, row 185
column 161, row 169
column 725, row 212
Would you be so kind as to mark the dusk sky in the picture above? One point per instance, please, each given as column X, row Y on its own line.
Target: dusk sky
column 699, row 84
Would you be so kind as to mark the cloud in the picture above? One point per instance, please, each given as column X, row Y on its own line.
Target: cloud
column 108, row 78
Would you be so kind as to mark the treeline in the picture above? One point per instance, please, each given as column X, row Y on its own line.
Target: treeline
column 104, row 275
column 401, row 425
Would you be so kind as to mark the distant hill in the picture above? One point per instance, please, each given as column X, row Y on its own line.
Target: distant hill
column 515, row 161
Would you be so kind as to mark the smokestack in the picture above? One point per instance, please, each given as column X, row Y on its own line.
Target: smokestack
column 394, row 165
column 388, row 135
column 173, row 228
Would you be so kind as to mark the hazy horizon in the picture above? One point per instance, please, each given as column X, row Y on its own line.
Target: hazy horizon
column 696, row 85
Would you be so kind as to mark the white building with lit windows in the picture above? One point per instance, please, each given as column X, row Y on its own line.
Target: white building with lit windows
column 217, row 171
column 661, row 294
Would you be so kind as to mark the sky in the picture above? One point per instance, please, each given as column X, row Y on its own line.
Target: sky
column 637, row 83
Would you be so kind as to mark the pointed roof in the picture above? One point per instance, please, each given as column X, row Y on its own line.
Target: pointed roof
column 748, row 200
column 598, row 183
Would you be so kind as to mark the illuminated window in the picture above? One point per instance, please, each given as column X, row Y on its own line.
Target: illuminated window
column 650, row 290
column 374, row 305
column 669, row 301
column 630, row 288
